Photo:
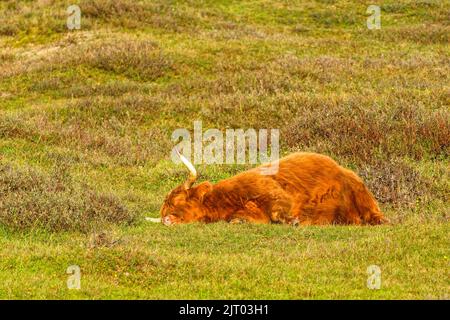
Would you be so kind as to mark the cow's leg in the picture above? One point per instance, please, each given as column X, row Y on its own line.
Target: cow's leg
column 250, row 213
column 280, row 210
column 279, row 214
column 238, row 220
column 243, row 218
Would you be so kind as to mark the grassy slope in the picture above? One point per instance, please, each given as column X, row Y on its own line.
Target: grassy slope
column 103, row 101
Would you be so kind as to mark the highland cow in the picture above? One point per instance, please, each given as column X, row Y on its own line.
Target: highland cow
column 307, row 189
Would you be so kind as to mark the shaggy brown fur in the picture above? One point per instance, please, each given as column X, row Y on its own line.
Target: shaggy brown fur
column 309, row 189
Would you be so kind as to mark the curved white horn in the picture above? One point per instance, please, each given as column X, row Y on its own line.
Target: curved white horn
column 190, row 166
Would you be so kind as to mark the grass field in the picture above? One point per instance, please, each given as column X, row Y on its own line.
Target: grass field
column 86, row 118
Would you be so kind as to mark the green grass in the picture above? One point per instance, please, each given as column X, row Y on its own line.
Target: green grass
column 102, row 102
column 227, row 262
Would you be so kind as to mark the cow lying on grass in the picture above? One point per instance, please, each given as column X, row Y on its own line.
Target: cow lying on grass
column 307, row 189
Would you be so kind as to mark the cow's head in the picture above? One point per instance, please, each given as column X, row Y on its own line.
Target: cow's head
column 185, row 203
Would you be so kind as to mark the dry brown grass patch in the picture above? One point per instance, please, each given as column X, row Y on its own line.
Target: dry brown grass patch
column 31, row 199
column 395, row 183
column 137, row 59
column 363, row 134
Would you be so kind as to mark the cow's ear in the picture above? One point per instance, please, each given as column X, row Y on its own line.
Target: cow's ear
column 200, row 190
